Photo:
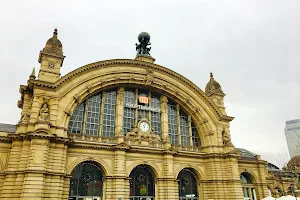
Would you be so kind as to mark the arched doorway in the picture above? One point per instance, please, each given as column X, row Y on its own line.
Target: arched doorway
column 187, row 185
column 86, row 182
column 142, row 183
column 248, row 187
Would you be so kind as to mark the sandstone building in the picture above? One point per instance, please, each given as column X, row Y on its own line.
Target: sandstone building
column 124, row 129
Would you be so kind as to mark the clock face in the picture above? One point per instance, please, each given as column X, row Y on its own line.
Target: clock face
column 144, row 127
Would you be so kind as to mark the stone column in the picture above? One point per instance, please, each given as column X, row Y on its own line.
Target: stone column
column 120, row 181
column 8, row 188
column 66, row 188
column 34, row 178
column 167, row 185
column 119, row 116
column 164, row 119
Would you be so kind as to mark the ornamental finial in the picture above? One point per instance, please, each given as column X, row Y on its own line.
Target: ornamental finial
column 55, row 33
column 211, row 75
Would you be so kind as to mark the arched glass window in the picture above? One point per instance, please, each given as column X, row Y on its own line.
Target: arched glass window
column 88, row 115
column 187, row 185
column 96, row 116
column 86, row 181
column 248, row 187
column 142, row 186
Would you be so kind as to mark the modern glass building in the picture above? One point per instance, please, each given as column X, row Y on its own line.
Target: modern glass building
column 292, row 134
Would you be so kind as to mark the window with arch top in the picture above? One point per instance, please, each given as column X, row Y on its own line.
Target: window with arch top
column 97, row 116
column 248, row 187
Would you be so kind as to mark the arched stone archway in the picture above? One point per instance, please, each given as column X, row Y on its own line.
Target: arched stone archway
column 104, row 166
column 98, row 76
column 248, row 186
column 156, row 170
column 188, row 184
column 87, row 181
column 142, row 183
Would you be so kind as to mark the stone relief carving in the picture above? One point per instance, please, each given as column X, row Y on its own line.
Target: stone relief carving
column 89, row 88
column 149, row 79
column 26, row 116
column 164, row 103
column 167, row 139
column 120, row 96
column 44, row 112
column 136, row 137
column 209, row 133
column 226, row 138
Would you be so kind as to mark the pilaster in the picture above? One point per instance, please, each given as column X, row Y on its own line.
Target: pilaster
column 119, row 115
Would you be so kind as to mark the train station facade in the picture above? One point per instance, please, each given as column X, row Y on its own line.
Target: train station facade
column 123, row 129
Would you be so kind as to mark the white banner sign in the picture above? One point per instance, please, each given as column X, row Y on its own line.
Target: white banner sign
column 140, row 107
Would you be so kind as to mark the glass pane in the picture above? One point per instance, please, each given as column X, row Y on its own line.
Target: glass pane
column 184, row 129
column 172, row 123
column 128, row 117
column 75, row 124
column 155, row 116
column 93, row 115
column 108, row 121
column 195, row 136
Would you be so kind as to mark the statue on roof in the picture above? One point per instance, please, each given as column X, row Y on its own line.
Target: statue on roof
column 142, row 49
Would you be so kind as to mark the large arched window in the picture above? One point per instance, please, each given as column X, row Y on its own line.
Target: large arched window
column 248, row 187
column 96, row 116
column 142, row 185
column 87, row 181
column 187, row 185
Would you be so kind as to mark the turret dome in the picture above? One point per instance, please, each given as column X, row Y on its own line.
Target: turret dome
column 213, row 87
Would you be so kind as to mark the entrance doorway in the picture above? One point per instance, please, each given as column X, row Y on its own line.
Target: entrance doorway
column 142, row 186
column 86, row 182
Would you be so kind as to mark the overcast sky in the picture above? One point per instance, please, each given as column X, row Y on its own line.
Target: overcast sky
column 251, row 46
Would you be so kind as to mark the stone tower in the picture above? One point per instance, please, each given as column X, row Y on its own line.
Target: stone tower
column 215, row 93
column 51, row 59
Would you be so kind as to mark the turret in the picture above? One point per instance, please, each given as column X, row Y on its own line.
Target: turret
column 214, row 91
column 51, row 59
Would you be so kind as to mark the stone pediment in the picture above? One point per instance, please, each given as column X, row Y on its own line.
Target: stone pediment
column 137, row 137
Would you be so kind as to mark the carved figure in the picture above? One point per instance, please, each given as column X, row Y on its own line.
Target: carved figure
column 226, row 139
column 142, row 48
column 149, row 77
column 44, row 112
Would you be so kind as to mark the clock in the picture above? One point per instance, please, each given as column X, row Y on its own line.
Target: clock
column 144, row 126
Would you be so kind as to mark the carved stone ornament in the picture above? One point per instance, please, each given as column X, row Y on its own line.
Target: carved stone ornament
column 136, row 137
column 167, row 139
column 209, row 133
column 44, row 112
column 226, row 138
column 149, row 77
column 89, row 88
column 120, row 96
column 25, row 116
column 164, row 103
